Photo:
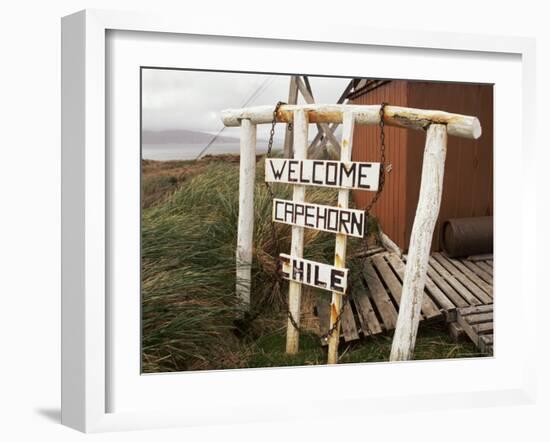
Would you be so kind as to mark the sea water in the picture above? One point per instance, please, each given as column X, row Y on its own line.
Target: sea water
column 177, row 151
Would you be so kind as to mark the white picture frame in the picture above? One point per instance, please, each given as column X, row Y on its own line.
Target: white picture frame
column 87, row 316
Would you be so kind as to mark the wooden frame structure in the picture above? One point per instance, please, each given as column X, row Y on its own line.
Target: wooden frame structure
column 438, row 126
column 299, row 84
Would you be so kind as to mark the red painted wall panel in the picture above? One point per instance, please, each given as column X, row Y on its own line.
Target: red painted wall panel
column 468, row 182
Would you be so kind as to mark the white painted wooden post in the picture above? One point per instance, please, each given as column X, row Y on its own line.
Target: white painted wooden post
column 300, row 128
column 438, row 124
column 427, row 212
column 348, row 122
column 292, row 99
column 247, row 176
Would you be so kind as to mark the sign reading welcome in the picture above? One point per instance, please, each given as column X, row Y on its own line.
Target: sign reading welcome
column 338, row 220
column 324, row 173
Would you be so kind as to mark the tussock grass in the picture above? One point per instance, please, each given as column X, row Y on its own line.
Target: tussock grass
column 189, row 305
column 188, row 266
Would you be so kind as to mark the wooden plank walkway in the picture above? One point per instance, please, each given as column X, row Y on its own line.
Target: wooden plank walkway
column 477, row 324
column 451, row 284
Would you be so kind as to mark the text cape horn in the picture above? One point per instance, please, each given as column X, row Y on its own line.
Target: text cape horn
column 350, row 222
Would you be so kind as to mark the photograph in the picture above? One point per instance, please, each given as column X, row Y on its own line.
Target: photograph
column 305, row 219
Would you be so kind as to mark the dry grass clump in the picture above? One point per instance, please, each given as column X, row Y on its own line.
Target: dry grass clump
column 189, row 304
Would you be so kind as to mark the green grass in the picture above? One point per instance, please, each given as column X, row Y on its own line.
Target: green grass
column 433, row 342
column 188, row 266
column 189, row 307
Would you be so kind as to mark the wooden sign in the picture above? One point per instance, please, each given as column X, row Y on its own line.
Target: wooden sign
column 315, row 274
column 342, row 175
column 349, row 222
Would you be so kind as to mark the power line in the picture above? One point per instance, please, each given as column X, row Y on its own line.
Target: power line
column 257, row 92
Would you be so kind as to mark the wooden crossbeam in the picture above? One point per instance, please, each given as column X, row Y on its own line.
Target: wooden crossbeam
column 292, row 99
column 324, row 127
column 458, row 125
column 314, row 147
column 439, row 125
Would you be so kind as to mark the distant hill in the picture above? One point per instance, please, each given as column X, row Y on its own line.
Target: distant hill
column 182, row 136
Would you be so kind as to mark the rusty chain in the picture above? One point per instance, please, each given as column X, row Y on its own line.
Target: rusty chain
column 382, row 176
column 275, row 238
column 381, row 182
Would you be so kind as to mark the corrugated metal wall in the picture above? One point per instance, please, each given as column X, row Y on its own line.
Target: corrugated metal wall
column 468, row 183
column 390, row 209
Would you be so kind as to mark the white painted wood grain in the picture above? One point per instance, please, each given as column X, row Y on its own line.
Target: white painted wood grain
column 463, row 126
column 300, row 128
column 388, row 243
column 427, row 211
column 341, row 240
column 247, row 175
column 292, row 99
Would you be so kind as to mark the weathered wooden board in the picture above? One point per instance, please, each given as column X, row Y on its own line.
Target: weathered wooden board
column 479, row 293
column 429, row 309
column 450, row 293
column 483, row 257
column 392, row 282
column 315, row 274
column 335, row 174
column 455, row 284
column 349, row 222
column 474, row 310
column 377, row 298
column 486, row 344
column 323, row 313
column 487, row 266
column 477, row 323
column 483, row 274
column 457, row 125
column 380, row 297
column 480, row 317
column 456, row 332
column 487, row 288
column 349, row 329
column 367, row 317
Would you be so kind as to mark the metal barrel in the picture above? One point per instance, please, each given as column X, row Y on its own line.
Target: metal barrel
column 467, row 236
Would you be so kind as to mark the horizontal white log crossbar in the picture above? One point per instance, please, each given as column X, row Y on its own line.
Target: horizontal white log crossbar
column 344, row 175
column 463, row 126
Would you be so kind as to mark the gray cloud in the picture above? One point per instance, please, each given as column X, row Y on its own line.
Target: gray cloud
column 192, row 100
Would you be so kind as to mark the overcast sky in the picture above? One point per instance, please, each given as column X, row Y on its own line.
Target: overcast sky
column 174, row 99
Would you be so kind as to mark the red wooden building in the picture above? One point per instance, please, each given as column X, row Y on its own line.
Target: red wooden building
column 468, row 182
